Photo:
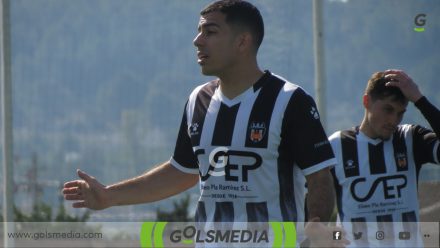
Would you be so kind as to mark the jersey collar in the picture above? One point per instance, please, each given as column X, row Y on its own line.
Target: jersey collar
column 247, row 93
column 363, row 136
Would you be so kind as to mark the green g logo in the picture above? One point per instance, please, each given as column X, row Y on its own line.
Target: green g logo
column 151, row 234
column 420, row 21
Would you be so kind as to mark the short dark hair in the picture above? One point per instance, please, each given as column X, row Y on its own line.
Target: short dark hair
column 240, row 13
column 377, row 89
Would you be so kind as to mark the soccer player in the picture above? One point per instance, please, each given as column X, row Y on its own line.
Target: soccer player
column 250, row 138
column 379, row 162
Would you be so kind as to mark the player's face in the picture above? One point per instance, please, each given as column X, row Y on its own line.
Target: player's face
column 216, row 44
column 382, row 117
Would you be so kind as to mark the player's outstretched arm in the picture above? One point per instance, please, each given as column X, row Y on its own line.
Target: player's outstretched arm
column 87, row 193
column 157, row 184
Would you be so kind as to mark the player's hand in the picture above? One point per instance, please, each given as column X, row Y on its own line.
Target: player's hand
column 321, row 235
column 87, row 193
column 400, row 79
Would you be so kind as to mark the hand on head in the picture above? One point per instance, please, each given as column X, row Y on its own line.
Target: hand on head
column 400, row 79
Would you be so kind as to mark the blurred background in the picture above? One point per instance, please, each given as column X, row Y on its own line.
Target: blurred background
column 100, row 85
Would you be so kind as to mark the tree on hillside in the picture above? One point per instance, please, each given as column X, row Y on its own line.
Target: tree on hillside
column 180, row 212
column 42, row 212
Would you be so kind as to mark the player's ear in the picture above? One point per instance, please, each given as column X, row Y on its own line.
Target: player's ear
column 245, row 41
column 366, row 99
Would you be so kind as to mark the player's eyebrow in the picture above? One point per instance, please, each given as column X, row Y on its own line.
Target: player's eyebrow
column 391, row 107
column 207, row 25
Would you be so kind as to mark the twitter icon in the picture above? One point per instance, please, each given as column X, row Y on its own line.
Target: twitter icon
column 357, row 235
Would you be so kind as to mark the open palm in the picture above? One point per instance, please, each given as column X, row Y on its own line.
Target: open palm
column 87, row 193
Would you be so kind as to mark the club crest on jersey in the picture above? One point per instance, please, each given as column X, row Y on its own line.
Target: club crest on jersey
column 194, row 129
column 401, row 160
column 258, row 130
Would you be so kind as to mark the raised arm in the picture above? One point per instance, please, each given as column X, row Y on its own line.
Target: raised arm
column 411, row 91
column 156, row 184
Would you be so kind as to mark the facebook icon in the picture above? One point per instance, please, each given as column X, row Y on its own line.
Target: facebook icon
column 337, row 235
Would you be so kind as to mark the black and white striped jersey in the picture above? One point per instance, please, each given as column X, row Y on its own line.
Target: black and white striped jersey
column 376, row 182
column 251, row 152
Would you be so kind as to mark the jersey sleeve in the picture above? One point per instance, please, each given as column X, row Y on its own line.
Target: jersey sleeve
column 426, row 146
column 309, row 144
column 426, row 142
column 184, row 158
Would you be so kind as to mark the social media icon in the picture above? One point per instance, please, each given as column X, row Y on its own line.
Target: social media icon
column 357, row 235
column 404, row 235
column 337, row 235
column 380, row 235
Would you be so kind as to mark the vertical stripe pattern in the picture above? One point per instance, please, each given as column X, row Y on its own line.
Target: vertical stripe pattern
column 261, row 114
column 400, row 151
column 376, row 158
column 360, row 231
column 201, row 107
column 224, row 212
column 249, row 165
column 350, row 157
column 257, row 212
column 410, row 223
column 385, row 224
column 379, row 193
column 224, row 126
column 200, row 212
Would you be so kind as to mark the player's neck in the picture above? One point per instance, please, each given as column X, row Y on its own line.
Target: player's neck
column 366, row 129
column 236, row 82
column 366, row 133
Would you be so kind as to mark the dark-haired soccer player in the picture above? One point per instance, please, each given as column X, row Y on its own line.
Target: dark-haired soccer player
column 250, row 138
column 379, row 162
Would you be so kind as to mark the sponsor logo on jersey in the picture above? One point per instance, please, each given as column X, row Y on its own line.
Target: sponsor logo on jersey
column 349, row 164
column 401, row 160
column 322, row 143
column 392, row 187
column 233, row 165
column 258, row 130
